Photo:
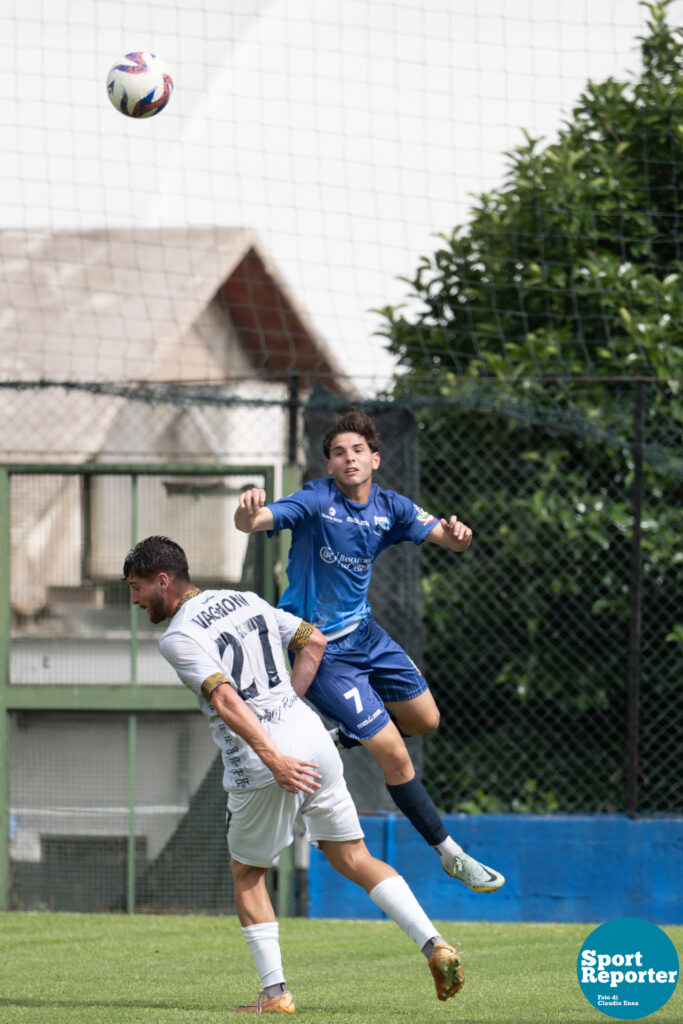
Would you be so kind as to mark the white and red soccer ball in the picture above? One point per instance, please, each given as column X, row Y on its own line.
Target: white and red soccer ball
column 139, row 85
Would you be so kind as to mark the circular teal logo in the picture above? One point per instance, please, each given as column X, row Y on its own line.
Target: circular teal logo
column 627, row 968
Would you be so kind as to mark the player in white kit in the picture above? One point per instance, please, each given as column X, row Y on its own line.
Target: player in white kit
column 279, row 761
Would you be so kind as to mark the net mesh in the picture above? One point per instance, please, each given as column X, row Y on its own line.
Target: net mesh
column 71, row 814
column 463, row 216
column 525, row 641
column 344, row 136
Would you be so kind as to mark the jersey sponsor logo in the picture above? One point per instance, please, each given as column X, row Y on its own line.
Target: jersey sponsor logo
column 219, row 610
column 331, row 516
column 422, row 516
column 373, row 716
column 382, row 524
column 352, row 563
column 357, row 521
column 332, row 511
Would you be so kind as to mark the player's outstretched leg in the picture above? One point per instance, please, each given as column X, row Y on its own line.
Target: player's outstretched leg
column 391, row 893
column 476, row 876
column 447, row 970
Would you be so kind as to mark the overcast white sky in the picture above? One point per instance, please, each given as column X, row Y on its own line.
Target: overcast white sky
column 346, row 132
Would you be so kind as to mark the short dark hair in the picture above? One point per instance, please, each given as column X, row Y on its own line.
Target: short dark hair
column 154, row 555
column 353, row 422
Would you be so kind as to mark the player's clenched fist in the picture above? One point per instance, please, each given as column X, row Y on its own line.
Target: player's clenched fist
column 251, row 512
column 252, row 499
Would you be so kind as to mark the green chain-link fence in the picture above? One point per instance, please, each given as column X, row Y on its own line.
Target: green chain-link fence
column 553, row 645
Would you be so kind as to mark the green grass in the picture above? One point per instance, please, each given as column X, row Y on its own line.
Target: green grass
column 98, row 969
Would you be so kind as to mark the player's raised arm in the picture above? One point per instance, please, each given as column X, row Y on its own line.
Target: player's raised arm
column 451, row 533
column 251, row 515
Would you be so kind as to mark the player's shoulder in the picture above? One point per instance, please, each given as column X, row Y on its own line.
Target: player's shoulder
column 319, row 485
column 385, row 496
column 394, row 509
column 248, row 597
column 310, row 492
column 318, row 493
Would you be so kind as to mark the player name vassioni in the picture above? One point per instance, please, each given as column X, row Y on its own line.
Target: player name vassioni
column 594, row 969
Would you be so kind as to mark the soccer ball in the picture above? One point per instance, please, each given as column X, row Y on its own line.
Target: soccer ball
column 139, row 84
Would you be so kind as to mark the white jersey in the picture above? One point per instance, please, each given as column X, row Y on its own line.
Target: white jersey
column 241, row 636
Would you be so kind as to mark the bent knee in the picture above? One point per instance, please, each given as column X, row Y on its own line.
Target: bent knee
column 392, row 755
column 432, row 721
column 245, row 872
column 349, row 857
column 419, row 726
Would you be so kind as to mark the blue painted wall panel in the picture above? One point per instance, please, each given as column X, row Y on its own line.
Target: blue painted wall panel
column 559, row 868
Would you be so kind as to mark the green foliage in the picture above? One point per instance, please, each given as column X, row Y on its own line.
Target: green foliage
column 531, row 800
column 573, row 266
column 533, row 322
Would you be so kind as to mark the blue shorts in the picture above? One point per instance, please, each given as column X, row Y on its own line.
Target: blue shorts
column 357, row 674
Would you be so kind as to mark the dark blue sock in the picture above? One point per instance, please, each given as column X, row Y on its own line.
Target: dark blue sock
column 415, row 802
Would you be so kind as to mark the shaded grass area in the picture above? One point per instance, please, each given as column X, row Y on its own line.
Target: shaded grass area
column 81, row 969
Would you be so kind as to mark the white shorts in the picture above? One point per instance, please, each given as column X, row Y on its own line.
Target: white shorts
column 261, row 821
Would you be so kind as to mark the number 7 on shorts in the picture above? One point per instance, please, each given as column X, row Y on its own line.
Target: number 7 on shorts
column 354, row 695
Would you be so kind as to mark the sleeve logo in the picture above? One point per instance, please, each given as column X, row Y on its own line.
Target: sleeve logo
column 422, row 516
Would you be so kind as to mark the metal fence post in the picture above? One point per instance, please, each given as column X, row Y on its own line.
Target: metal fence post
column 132, row 722
column 293, row 405
column 4, row 681
column 633, row 692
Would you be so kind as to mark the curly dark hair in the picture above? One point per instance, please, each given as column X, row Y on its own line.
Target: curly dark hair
column 353, row 422
column 156, row 554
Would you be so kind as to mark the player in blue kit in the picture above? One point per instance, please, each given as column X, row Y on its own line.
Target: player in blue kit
column 340, row 524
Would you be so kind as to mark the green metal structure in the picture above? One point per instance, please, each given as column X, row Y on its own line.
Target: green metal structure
column 130, row 698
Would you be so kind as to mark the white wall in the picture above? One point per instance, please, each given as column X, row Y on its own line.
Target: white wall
column 69, row 776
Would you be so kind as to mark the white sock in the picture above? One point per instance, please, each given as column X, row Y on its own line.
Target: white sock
column 264, row 946
column 396, row 899
column 449, row 848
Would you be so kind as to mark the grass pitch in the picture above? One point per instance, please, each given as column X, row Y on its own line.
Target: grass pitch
column 99, row 969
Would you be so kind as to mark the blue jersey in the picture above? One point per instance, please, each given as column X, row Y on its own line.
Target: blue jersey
column 334, row 544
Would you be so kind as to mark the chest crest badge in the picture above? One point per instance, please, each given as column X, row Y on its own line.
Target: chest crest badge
column 381, row 524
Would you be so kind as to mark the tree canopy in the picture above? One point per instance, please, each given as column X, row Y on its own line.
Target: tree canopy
column 573, row 266
column 519, row 350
